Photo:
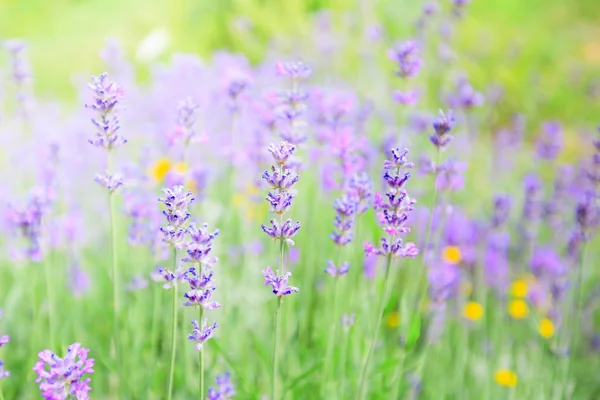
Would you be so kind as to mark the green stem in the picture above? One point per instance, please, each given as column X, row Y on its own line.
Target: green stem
column 201, row 361
column 49, row 293
column 115, row 268
column 201, row 352
column 276, row 348
column 341, row 386
column 173, row 330
column 382, row 299
column 332, row 331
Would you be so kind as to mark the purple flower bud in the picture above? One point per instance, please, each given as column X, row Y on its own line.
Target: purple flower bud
column 176, row 201
column 501, row 210
column 171, row 278
column 285, row 232
column 200, row 334
column 407, row 59
column 200, row 246
column 361, row 187
column 347, row 321
column 280, row 201
column 61, row 378
column 280, row 180
column 107, row 96
column 293, row 69
column 279, row 283
column 409, row 98
column 550, row 141
column 110, row 182
column 224, row 390
column 187, row 113
column 282, row 152
column 442, row 126
column 335, row 271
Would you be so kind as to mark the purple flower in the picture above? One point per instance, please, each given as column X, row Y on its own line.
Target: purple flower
column 284, row 232
column 407, row 59
column 409, row 98
column 21, row 73
column 337, row 271
column 360, row 186
column 27, row 221
column 546, row 263
column 550, row 141
column 293, row 69
column 107, row 96
column 281, row 153
column 282, row 180
column 395, row 249
column 110, row 182
column 63, row 378
column 200, row 246
column 442, row 126
column 346, row 208
column 79, row 281
column 444, row 281
column 176, row 201
column 280, row 201
column 348, row 321
column 187, row 113
column 224, row 390
column 138, row 282
column 199, row 334
column 450, row 176
column 3, row 340
column 501, row 210
column 465, row 96
column 279, row 283
column 171, row 278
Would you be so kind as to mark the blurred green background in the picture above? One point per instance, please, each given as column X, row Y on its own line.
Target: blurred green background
column 550, row 47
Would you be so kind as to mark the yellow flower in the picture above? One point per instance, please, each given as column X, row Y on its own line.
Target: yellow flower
column 505, row 377
column 452, row 254
column 546, row 328
column 180, row 167
column 392, row 320
column 518, row 309
column 160, row 169
column 473, row 311
column 519, row 289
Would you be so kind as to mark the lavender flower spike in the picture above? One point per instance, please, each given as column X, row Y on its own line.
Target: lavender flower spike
column 3, row 340
column 201, row 334
column 63, row 378
column 224, row 389
column 107, row 96
column 279, row 283
column 110, row 182
column 176, row 201
column 442, row 126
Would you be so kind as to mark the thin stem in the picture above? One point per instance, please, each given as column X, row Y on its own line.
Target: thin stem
column 173, row 330
column 201, row 352
column 276, row 347
column 332, row 331
column 201, row 361
column 115, row 264
column 382, row 300
column 50, row 301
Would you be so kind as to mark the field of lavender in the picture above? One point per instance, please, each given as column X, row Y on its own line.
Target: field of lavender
column 367, row 213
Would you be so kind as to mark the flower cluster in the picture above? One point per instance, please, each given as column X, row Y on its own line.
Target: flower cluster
column 107, row 95
column 360, row 186
column 200, row 334
column 279, row 283
column 63, row 378
column 394, row 213
column 407, row 59
column 176, row 201
column 224, row 390
column 337, row 271
column 27, row 221
column 21, row 73
column 187, row 113
column 550, row 141
column 442, row 126
column 292, row 103
column 281, row 180
column 345, row 208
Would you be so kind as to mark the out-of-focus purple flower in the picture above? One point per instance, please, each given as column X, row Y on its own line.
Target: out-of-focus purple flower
column 465, row 96
column 279, row 283
column 63, row 378
column 187, row 113
column 138, row 282
column 407, row 59
column 459, row 7
column 293, row 69
column 224, row 388
column 79, row 281
column 502, row 205
column 550, row 141
column 347, row 321
column 200, row 334
column 176, row 201
column 444, row 281
column 21, row 73
column 3, row 340
column 442, row 126
column 345, row 208
column 27, row 221
column 294, row 256
column 497, row 273
column 409, row 98
column 170, row 278
column 370, row 266
column 361, row 187
column 107, row 96
column 110, row 182
column 546, row 263
column 450, row 176
column 337, row 271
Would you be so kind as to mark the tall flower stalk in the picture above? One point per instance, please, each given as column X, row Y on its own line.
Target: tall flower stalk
column 281, row 180
column 393, row 216
column 106, row 98
column 176, row 203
